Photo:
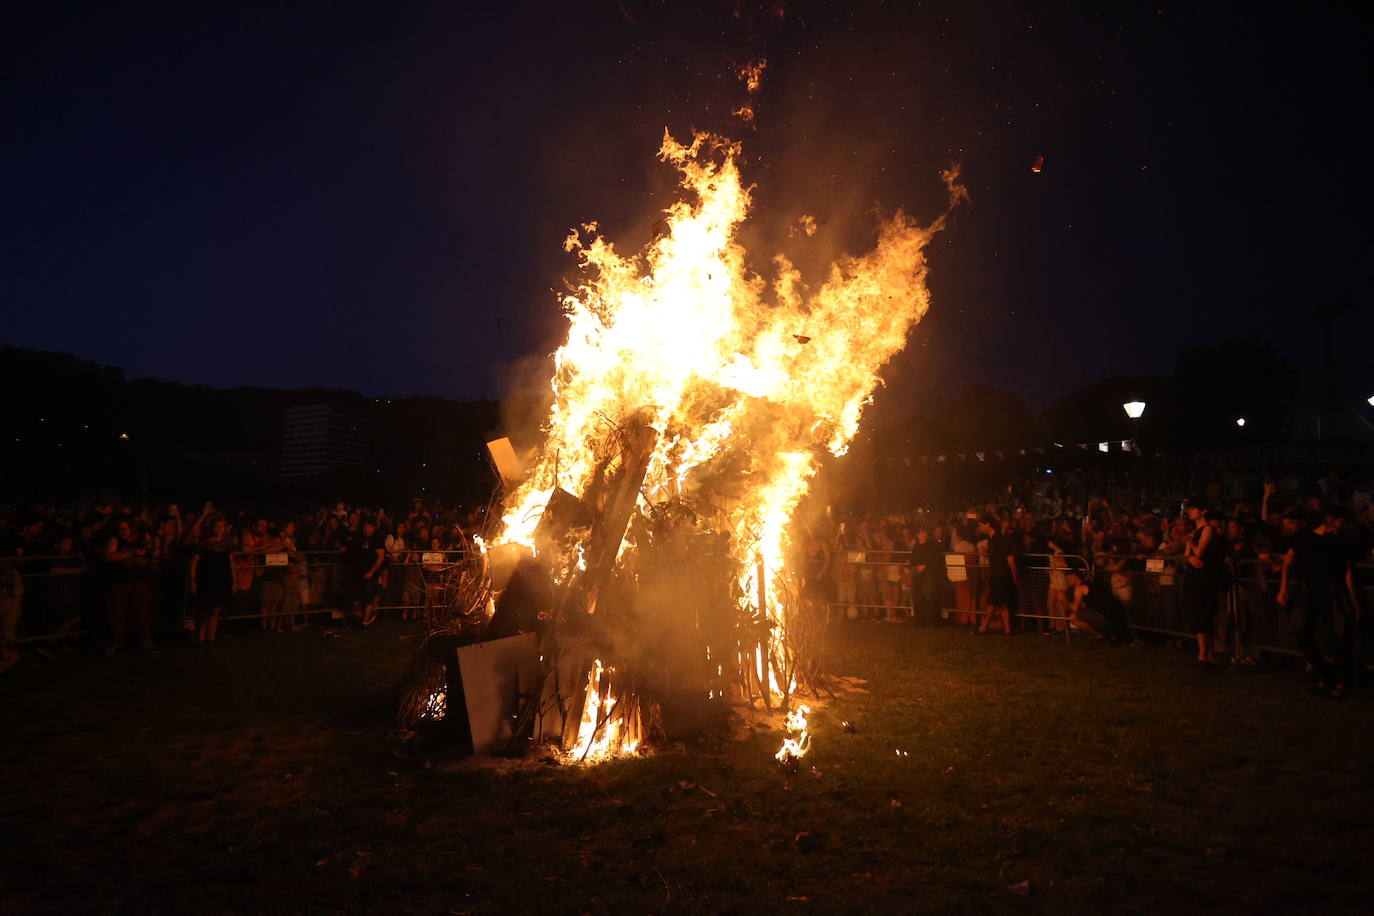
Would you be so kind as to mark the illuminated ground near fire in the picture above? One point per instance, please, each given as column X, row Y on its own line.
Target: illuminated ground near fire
column 259, row 778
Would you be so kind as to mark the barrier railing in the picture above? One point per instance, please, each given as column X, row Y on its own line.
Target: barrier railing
column 957, row 589
column 1248, row 618
column 328, row 584
column 64, row 595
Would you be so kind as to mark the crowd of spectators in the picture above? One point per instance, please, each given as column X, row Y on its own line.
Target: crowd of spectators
column 131, row 574
column 1094, row 544
column 1303, row 545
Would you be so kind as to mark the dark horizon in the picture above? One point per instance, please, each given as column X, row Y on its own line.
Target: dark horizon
column 376, row 200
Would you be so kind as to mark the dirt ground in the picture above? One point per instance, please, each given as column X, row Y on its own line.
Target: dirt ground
column 978, row 775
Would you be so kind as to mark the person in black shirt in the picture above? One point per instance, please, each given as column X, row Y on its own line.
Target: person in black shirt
column 927, row 567
column 366, row 567
column 1094, row 608
column 1004, row 578
column 1317, row 578
column 128, row 603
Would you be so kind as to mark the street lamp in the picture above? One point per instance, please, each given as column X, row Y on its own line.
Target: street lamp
column 1240, row 421
column 1371, row 400
column 1134, row 409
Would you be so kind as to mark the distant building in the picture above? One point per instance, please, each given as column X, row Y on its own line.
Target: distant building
column 322, row 438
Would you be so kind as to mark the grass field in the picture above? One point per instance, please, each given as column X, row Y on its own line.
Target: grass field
column 261, row 776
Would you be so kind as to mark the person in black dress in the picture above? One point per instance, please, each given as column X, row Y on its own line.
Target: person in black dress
column 212, row 580
column 1205, row 553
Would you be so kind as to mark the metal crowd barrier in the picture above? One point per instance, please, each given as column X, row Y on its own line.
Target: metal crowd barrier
column 407, row 581
column 957, row 590
column 64, row 594
column 1249, row 618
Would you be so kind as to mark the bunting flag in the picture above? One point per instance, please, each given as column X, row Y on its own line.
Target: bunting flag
column 1083, row 446
column 980, row 455
column 1023, row 452
column 963, row 456
column 1003, row 457
column 941, row 459
column 1038, row 450
column 1104, row 446
column 907, row 461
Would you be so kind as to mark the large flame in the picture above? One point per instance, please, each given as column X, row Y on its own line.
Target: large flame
column 723, row 362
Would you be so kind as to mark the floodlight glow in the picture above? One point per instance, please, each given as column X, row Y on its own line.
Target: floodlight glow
column 1135, row 408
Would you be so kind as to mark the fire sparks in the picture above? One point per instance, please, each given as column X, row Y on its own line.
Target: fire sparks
column 707, row 352
column 434, row 706
column 751, row 74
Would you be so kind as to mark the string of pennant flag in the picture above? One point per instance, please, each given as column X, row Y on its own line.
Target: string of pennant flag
column 1127, row 446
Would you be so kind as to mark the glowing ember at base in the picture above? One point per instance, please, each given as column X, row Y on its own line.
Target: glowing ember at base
column 798, row 742
column 609, row 727
column 434, row 706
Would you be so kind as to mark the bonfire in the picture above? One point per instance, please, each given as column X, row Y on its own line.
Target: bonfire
column 648, row 539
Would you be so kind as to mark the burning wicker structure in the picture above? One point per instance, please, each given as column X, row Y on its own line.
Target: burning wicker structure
column 648, row 542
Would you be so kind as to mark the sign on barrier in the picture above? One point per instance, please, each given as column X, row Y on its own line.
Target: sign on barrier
column 954, row 567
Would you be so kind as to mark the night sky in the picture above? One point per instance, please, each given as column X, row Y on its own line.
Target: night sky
column 375, row 197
